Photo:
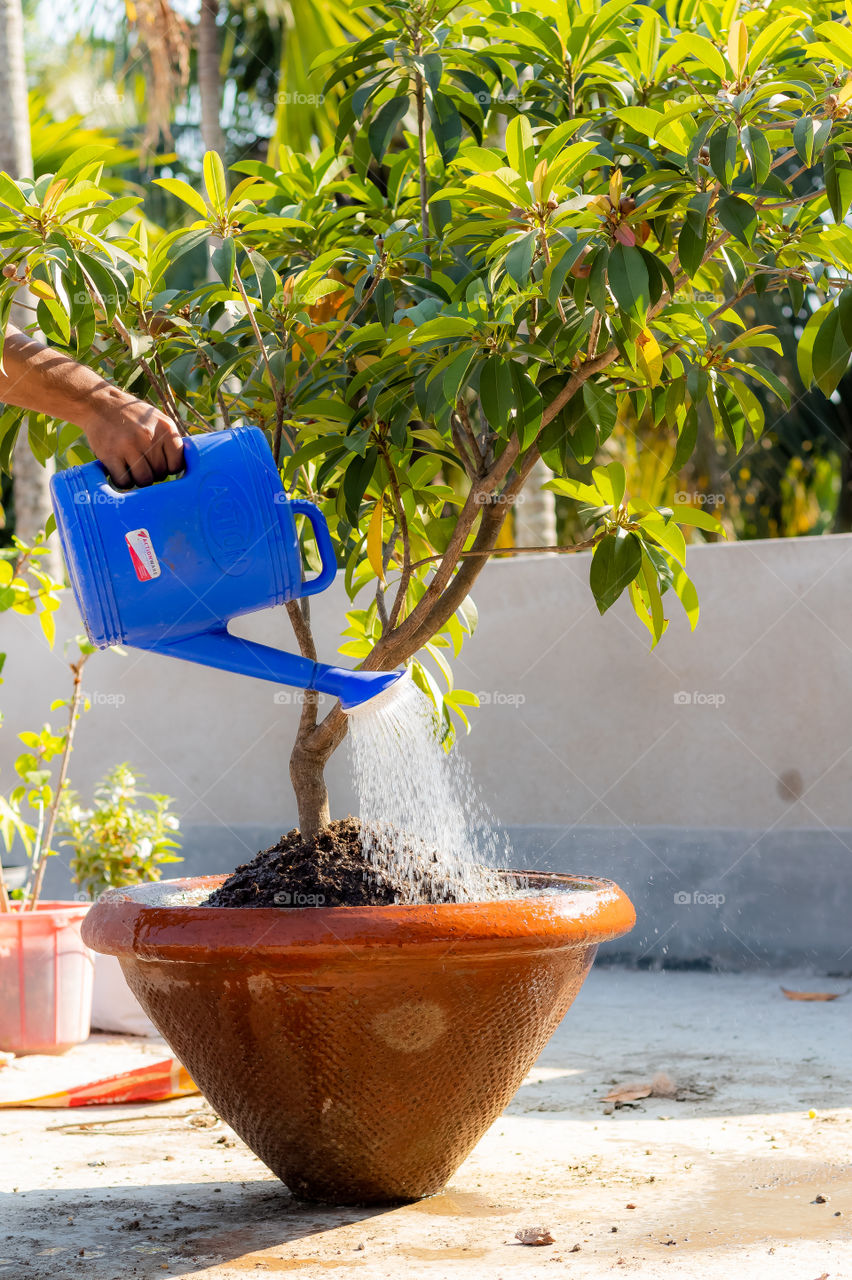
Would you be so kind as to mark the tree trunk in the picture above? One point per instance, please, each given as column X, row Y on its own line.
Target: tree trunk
column 308, row 779
column 31, row 479
column 209, row 81
column 15, row 151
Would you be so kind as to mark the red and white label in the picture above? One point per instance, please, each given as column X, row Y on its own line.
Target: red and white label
column 142, row 554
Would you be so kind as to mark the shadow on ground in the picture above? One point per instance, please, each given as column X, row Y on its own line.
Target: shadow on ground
column 132, row 1231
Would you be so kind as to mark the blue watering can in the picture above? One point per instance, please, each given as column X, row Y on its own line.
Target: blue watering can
column 166, row 567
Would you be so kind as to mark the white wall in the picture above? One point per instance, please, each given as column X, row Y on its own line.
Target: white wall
column 582, row 725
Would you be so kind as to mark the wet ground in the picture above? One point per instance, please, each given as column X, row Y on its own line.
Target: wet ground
column 745, row 1173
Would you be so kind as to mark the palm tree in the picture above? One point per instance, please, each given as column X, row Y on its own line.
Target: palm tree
column 209, row 80
column 308, row 28
column 31, row 479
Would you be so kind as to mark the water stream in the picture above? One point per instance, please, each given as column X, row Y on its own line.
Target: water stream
column 421, row 812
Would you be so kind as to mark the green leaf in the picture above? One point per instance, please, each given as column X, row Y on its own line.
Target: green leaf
column 683, row 513
column 616, row 562
column 769, row 42
column 109, row 285
column 455, row 372
column 655, row 600
column 357, row 476
column 267, row 278
column 610, row 481
column 553, row 279
column 528, row 406
column 803, row 139
column 214, row 180
column 601, row 407
column 684, row 589
column 844, row 308
column 686, row 440
column 691, row 249
column 804, row 353
column 441, row 327
column 628, row 280
column 520, row 256
column 838, row 36
column 702, row 50
column 597, row 280
column 519, row 147
column 666, row 532
column 383, row 297
column 224, row 259
column 830, row 353
column 838, row 181
column 577, row 490
column 183, row 191
column 759, row 155
column 738, row 217
column 723, row 153
column 496, row 392
column 433, row 66
column 750, row 405
column 384, row 124
column 446, row 125
column 11, row 194
column 53, row 321
column 759, row 336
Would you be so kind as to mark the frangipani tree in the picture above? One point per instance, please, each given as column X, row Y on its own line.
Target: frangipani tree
column 535, row 219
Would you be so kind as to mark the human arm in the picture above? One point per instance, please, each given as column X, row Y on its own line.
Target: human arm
column 135, row 441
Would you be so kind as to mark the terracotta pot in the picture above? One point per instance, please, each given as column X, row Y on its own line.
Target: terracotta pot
column 114, row 1006
column 361, row 1052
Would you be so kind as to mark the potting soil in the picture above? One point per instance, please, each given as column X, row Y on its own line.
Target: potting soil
column 331, row 870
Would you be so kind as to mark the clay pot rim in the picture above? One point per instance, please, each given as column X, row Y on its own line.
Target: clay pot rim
column 582, row 911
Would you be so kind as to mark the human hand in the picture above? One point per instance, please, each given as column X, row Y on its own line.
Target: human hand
column 135, row 441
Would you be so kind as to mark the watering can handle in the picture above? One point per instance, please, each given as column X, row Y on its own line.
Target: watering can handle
column 326, row 575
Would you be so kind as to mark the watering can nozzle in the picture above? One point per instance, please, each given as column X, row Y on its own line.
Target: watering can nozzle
column 354, row 688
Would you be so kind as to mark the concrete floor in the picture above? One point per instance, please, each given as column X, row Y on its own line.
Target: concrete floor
column 721, row 1182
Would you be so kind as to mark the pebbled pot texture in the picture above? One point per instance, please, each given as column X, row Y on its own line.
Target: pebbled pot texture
column 361, row 1052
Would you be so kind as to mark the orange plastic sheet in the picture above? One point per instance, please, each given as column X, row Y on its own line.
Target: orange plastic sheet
column 154, row 1082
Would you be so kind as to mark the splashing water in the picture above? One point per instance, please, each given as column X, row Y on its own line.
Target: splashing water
column 422, row 816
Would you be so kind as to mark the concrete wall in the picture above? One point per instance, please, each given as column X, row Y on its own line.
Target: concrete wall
column 603, row 758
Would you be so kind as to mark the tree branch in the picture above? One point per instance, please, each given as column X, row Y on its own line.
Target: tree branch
column 41, row 853
column 307, row 648
column 420, row 101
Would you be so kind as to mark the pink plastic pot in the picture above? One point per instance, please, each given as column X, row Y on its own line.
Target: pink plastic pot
column 45, row 978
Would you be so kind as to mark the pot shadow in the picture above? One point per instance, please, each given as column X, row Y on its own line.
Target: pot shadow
column 172, row 1229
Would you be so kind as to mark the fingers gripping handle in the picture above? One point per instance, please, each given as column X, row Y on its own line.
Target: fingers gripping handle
column 326, row 575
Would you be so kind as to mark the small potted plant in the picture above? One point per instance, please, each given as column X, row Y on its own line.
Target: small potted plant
column 123, row 838
column 45, row 968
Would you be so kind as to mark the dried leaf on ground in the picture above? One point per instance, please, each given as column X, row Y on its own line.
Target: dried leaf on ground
column 662, row 1086
column 534, row 1235
column 812, row 995
column 629, row 1093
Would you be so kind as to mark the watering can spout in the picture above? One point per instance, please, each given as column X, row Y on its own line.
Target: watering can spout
column 353, row 687
column 226, row 652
